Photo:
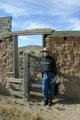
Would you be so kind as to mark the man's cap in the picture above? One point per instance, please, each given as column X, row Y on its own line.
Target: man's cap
column 45, row 49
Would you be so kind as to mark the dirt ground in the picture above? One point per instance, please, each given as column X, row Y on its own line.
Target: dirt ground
column 60, row 110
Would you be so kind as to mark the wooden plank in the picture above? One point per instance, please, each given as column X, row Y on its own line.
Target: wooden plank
column 33, row 32
column 10, row 73
column 15, row 56
column 16, row 87
column 36, row 93
column 15, row 80
column 18, row 93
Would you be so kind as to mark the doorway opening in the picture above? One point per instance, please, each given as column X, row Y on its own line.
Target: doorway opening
column 30, row 44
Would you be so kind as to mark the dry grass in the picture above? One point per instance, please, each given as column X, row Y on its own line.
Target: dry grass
column 9, row 112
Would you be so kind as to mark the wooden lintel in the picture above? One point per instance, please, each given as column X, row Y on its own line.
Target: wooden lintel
column 33, row 32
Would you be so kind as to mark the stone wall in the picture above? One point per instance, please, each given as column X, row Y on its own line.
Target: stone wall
column 67, row 54
column 6, row 50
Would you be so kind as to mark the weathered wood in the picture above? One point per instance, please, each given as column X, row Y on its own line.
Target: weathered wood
column 26, row 77
column 18, row 93
column 43, row 39
column 33, row 32
column 15, row 80
column 16, row 87
column 10, row 73
column 15, row 56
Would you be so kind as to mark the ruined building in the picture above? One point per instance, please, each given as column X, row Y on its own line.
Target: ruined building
column 64, row 45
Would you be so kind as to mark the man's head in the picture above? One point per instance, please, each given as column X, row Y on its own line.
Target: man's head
column 45, row 52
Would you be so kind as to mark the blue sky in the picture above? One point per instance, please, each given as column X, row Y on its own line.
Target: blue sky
column 30, row 14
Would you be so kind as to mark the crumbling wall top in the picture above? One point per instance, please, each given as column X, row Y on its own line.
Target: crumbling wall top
column 5, row 27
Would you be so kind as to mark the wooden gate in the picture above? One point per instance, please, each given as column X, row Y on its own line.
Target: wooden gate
column 31, row 69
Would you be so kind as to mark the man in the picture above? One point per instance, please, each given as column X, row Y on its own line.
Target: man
column 48, row 74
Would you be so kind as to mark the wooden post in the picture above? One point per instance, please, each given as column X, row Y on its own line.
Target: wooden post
column 15, row 56
column 43, row 38
column 26, row 77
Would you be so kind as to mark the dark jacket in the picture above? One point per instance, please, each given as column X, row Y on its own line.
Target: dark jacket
column 48, row 64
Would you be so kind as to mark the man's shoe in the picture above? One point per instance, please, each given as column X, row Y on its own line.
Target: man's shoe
column 45, row 103
column 50, row 103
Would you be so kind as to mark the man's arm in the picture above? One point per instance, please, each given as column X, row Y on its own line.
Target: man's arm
column 35, row 57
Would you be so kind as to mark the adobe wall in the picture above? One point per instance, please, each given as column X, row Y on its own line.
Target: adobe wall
column 67, row 55
column 6, row 50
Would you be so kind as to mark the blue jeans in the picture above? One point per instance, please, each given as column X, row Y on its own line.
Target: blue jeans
column 48, row 89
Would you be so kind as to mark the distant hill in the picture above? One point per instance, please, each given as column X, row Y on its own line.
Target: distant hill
column 31, row 48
